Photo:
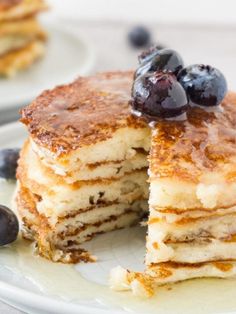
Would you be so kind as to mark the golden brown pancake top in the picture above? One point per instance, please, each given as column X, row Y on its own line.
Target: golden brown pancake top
column 203, row 143
column 87, row 111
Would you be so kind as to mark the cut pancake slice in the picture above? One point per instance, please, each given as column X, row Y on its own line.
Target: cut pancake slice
column 110, row 169
column 61, row 241
column 59, row 198
column 86, row 122
column 100, row 170
column 83, row 170
column 121, row 145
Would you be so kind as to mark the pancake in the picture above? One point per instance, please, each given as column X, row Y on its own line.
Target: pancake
column 59, row 198
column 60, row 241
column 84, row 122
column 88, row 188
column 17, row 35
column 192, row 222
column 22, row 39
column 19, row 9
column 26, row 27
column 192, row 163
column 21, row 58
column 145, row 284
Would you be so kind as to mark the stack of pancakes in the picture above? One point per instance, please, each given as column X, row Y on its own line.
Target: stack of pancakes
column 22, row 40
column 83, row 170
column 192, row 204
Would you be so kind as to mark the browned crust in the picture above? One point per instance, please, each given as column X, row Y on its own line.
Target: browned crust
column 172, row 210
column 176, row 265
column 87, row 111
column 189, row 220
column 203, row 143
column 162, row 271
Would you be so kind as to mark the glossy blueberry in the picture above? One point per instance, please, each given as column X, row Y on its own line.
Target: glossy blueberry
column 204, row 85
column 9, row 226
column 164, row 60
column 149, row 53
column 8, row 163
column 158, row 95
column 139, row 36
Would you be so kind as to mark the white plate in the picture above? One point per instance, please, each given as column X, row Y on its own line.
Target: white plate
column 66, row 57
column 123, row 247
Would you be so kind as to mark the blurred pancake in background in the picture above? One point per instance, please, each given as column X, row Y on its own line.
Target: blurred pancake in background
column 22, row 39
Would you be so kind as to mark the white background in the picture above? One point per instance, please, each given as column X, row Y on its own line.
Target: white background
column 181, row 11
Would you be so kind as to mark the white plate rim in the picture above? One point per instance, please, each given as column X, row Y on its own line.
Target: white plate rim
column 83, row 70
column 17, row 295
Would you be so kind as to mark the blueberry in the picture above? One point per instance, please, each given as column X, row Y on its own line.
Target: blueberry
column 8, row 163
column 149, row 53
column 9, row 226
column 139, row 36
column 163, row 60
column 204, row 85
column 158, row 95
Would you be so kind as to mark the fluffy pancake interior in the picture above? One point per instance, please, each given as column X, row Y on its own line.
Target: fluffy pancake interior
column 68, row 232
column 58, row 197
column 128, row 139
column 172, row 193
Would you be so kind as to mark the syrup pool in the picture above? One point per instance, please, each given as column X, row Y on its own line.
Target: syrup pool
column 87, row 283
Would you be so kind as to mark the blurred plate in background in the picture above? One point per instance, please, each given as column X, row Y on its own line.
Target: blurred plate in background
column 67, row 56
